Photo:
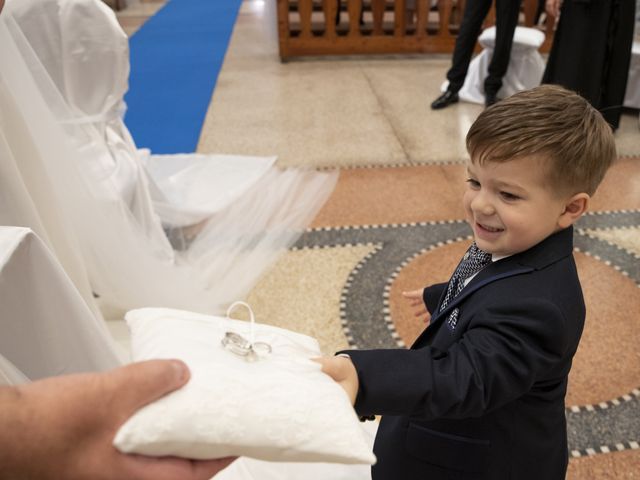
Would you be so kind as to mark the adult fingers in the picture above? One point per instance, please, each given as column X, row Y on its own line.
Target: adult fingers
column 138, row 384
column 421, row 312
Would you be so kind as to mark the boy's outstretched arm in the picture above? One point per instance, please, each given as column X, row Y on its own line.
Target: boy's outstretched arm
column 342, row 370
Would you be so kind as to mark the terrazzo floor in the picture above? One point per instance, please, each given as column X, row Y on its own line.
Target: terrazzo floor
column 333, row 111
column 394, row 220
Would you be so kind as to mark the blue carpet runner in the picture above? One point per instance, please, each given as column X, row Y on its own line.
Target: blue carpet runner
column 175, row 60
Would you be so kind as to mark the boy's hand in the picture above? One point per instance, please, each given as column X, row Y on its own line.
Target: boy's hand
column 415, row 301
column 342, row 370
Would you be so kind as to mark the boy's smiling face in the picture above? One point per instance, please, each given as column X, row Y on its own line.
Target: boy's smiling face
column 512, row 206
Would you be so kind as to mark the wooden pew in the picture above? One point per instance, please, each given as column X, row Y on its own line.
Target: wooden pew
column 363, row 27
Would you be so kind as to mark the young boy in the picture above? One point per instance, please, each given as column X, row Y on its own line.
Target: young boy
column 480, row 394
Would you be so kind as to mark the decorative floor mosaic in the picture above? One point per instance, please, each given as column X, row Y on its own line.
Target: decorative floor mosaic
column 342, row 283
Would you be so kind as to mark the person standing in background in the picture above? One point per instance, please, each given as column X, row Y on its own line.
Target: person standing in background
column 591, row 51
column 507, row 12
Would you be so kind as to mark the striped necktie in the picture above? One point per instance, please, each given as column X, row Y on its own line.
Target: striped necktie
column 472, row 262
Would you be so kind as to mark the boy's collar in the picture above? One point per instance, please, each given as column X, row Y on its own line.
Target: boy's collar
column 553, row 248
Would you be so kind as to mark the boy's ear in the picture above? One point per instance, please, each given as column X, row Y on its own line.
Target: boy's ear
column 575, row 207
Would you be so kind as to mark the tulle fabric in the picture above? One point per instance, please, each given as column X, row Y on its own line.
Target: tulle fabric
column 147, row 231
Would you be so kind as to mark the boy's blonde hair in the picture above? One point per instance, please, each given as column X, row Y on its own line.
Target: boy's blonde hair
column 551, row 123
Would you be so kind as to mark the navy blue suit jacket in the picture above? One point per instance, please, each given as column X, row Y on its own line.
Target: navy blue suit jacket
column 482, row 398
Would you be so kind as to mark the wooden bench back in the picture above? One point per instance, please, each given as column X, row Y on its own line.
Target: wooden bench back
column 356, row 27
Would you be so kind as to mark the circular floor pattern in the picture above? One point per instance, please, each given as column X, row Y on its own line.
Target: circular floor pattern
column 610, row 425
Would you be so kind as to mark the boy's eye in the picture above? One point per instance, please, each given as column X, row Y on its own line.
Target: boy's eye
column 473, row 183
column 509, row 196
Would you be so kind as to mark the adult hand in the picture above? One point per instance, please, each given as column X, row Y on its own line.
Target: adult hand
column 63, row 427
column 415, row 301
column 552, row 7
column 342, row 370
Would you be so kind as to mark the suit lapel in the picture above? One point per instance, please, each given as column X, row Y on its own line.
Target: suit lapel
column 473, row 286
column 555, row 247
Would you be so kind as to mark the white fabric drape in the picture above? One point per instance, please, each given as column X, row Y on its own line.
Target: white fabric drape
column 63, row 72
column 46, row 327
column 525, row 70
column 27, row 197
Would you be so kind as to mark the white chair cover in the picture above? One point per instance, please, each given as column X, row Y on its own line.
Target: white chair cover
column 632, row 95
column 63, row 131
column 525, row 69
column 46, row 327
column 86, row 53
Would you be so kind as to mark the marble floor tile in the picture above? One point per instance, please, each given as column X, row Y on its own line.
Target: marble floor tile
column 395, row 195
column 335, row 111
column 615, row 466
column 312, row 305
column 620, row 188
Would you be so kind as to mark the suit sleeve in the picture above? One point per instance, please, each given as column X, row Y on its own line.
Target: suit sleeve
column 496, row 361
column 431, row 295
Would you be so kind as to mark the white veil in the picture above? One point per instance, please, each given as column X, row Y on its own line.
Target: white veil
column 63, row 173
column 100, row 196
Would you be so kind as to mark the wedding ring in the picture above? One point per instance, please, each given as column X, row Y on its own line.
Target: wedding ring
column 236, row 343
column 239, row 345
column 261, row 348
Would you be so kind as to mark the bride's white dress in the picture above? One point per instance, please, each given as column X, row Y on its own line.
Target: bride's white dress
column 185, row 231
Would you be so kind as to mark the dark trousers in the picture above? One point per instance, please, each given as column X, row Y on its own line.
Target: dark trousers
column 507, row 12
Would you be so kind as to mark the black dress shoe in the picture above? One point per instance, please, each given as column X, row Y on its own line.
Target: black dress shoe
column 490, row 99
column 444, row 100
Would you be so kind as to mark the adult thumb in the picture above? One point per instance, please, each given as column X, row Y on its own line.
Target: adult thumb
column 138, row 384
